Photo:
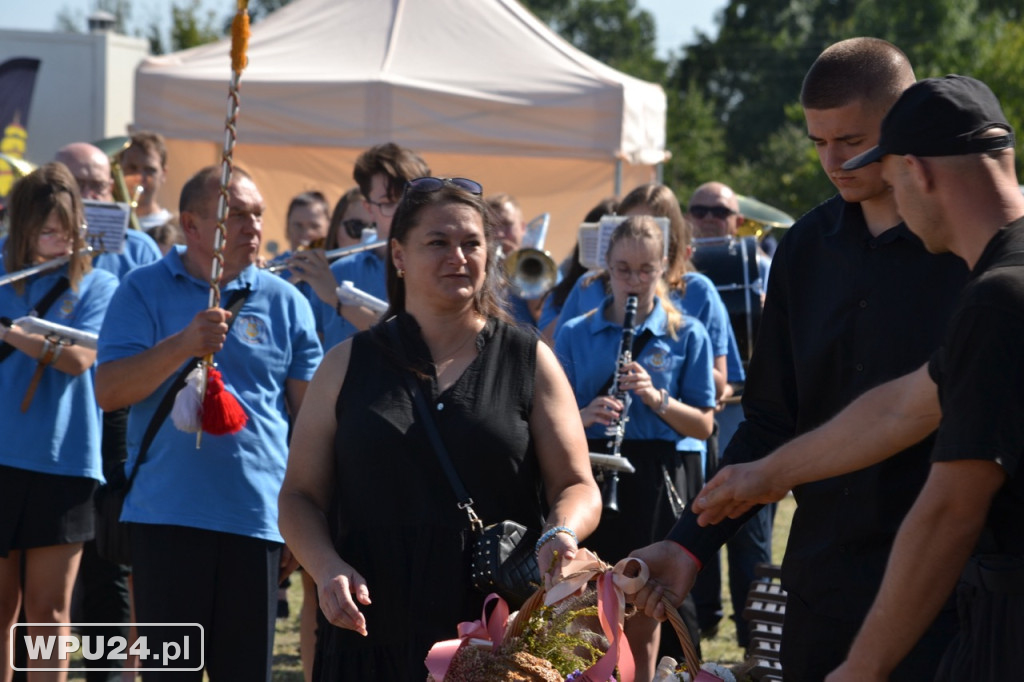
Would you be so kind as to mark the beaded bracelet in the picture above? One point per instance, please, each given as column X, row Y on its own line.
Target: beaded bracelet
column 552, row 532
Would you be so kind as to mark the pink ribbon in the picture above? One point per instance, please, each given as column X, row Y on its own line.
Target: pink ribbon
column 486, row 630
column 612, row 584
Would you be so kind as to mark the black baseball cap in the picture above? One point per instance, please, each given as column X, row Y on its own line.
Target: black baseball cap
column 940, row 117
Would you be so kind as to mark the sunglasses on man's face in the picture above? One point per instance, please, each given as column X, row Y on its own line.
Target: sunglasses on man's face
column 720, row 212
column 428, row 184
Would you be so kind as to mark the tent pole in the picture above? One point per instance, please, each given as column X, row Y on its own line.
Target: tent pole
column 618, row 178
column 659, row 173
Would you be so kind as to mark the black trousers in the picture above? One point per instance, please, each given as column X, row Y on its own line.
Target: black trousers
column 990, row 604
column 814, row 645
column 101, row 589
column 102, row 596
column 227, row 583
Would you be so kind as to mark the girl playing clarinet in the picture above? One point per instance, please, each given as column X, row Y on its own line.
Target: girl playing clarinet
column 664, row 390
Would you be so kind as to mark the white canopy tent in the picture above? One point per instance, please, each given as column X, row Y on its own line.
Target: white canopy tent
column 480, row 88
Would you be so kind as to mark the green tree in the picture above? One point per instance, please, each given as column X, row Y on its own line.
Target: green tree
column 76, row 21
column 998, row 60
column 696, row 138
column 752, row 70
column 614, row 32
column 191, row 27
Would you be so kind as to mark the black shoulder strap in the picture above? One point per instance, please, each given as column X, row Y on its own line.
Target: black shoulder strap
column 235, row 304
column 638, row 347
column 465, row 501
column 39, row 310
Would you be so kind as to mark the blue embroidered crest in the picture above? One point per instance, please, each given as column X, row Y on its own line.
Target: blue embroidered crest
column 657, row 360
column 251, row 329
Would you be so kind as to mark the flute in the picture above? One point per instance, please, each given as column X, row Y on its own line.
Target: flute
column 333, row 254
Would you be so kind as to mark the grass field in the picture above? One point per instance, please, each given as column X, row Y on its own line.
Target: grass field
column 722, row 648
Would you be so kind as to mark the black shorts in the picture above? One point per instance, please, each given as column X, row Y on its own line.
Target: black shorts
column 42, row 510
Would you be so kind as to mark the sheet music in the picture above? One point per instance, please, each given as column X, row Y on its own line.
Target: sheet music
column 588, row 242
column 106, row 224
column 593, row 239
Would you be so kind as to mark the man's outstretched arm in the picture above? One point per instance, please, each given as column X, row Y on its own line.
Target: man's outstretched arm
column 878, row 424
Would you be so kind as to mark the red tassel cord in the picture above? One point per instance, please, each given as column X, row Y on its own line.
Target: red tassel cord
column 221, row 412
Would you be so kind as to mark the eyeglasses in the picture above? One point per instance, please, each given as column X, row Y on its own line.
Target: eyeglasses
column 425, row 185
column 645, row 274
column 354, row 227
column 386, row 208
column 720, row 212
column 98, row 186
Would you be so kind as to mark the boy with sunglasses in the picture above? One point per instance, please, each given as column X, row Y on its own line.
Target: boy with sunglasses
column 854, row 301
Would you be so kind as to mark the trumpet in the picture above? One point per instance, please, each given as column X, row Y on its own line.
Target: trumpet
column 333, row 254
column 531, row 272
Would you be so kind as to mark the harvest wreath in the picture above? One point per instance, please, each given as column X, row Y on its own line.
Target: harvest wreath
column 567, row 632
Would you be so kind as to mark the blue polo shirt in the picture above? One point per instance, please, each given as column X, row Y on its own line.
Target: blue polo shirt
column 60, row 432
column 588, row 345
column 231, row 483
column 701, row 300
column 139, row 249
column 367, row 272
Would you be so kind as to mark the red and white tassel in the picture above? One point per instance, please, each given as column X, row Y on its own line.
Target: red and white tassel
column 188, row 404
column 221, row 413
column 217, row 413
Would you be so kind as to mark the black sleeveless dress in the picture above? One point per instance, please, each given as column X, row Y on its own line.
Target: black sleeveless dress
column 394, row 516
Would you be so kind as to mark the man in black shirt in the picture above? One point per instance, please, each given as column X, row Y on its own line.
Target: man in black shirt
column 947, row 151
column 854, row 300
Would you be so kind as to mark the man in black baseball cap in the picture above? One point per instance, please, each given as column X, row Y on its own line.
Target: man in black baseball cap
column 946, row 151
column 940, row 117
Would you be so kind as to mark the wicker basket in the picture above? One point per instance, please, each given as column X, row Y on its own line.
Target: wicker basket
column 518, row 625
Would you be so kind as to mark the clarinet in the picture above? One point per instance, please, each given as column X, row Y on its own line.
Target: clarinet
column 617, row 430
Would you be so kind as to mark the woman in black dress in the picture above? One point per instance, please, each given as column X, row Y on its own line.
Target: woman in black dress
column 365, row 505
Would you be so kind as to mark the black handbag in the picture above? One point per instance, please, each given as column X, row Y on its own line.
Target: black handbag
column 504, row 557
column 505, row 561
column 113, row 538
